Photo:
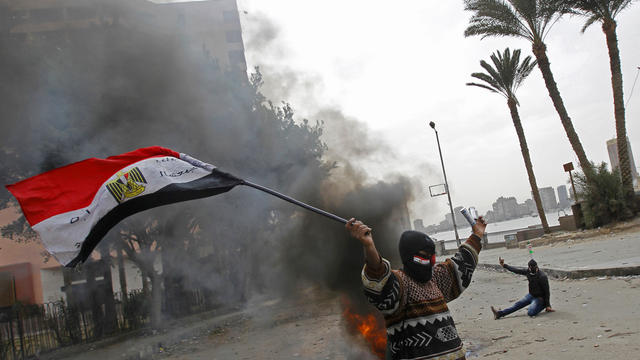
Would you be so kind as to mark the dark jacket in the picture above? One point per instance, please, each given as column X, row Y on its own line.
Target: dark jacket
column 538, row 283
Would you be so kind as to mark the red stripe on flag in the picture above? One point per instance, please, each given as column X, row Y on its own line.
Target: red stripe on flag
column 74, row 186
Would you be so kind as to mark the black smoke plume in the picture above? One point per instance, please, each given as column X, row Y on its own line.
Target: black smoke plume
column 114, row 88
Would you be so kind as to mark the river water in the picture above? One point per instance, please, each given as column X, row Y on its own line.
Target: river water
column 499, row 229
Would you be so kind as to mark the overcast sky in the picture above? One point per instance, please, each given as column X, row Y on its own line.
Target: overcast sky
column 395, row 68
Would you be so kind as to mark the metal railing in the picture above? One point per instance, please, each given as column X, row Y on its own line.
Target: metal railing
column 29, row 330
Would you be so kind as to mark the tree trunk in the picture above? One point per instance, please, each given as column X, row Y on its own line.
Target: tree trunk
column 91, row 270
column 145, row 281
column 156, row 299
column 609, row 29
column 122, row 275
column 110, row 316
column 527, row 163
column 540, row 52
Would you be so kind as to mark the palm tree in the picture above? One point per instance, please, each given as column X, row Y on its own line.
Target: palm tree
column 504, row 78
column 531, row 20
column 605, row 11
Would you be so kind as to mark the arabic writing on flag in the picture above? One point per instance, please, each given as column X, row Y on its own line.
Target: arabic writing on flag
column 74, row 206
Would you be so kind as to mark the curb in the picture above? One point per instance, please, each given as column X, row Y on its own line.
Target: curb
column 576, row 274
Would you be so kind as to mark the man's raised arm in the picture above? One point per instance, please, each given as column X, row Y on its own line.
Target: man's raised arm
column 515, row 270
column 381, row 286
column 453, row 275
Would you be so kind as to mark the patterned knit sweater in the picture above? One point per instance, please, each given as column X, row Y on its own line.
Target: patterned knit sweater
column 419, row 325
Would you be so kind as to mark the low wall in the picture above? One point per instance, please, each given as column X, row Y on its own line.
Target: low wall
column 513, row 238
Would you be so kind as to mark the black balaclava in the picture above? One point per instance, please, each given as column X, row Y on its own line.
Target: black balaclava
column 411, row 242
column 533, row 267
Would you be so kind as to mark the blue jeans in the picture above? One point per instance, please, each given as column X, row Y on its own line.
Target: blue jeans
column 537, row 305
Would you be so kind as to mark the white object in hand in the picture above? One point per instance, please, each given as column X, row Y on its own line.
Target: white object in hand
column 468, row 216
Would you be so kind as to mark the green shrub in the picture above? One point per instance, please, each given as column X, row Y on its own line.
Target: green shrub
column 602, row 200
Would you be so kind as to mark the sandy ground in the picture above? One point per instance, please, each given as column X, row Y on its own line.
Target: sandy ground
column 594, row 319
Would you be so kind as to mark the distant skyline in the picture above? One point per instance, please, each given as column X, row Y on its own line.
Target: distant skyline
column 392, row 69
column 558, row 202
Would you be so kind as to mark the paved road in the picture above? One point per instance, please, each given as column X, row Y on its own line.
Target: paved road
column 594, row 319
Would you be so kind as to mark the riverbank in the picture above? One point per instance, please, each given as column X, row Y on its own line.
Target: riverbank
column 496, row 231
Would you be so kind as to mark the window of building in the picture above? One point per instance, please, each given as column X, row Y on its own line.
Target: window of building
column 234, row 36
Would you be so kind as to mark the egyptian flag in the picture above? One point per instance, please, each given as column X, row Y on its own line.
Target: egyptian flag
column 74, row 206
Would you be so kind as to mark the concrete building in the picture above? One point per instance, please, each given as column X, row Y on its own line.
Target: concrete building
column 212, row 25
column 460, row 220
column 612, row 148
column 523, row 210
column 548, row 197
column 447, row 223
column 531, row 206
column 563, row 197
column 505, row 208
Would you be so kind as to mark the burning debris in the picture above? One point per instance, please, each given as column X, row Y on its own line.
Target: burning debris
column 367, row 328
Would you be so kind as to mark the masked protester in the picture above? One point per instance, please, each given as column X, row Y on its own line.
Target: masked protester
column 538, row 296
column 414, row 300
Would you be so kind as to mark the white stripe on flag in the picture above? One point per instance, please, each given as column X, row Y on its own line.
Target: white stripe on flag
column 64, row 233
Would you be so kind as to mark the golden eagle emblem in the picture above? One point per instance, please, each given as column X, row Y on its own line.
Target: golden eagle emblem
column 128, row 185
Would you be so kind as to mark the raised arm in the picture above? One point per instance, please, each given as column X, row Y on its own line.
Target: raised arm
column 381, row 286
column 362, row 233
column 453, row 275
column 515, row 270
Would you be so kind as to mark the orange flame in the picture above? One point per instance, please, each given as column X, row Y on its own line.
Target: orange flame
column 369, row 327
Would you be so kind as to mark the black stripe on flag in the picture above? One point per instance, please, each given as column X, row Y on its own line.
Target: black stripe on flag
column 215, row 183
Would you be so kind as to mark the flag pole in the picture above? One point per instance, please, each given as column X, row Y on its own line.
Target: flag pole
column 294, row 201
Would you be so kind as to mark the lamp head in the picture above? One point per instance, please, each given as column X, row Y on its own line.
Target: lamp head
column 433, row 125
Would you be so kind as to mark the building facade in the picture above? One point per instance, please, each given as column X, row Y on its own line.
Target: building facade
column 505, row 208
column 563, row 197
column 212, row 25
column 612, row 149
column 548, row 197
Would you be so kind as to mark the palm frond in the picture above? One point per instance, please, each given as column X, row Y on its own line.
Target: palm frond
column 484, row 87
column 506, row 74
column 495, row 84
column 618, row 5
column 502, row 73
column 590, row 21
column 549, row 12
column 597, row 10
column 524, row 70
column 494, row 18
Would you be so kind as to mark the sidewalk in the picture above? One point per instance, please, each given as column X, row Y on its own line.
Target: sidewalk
column 611, row 251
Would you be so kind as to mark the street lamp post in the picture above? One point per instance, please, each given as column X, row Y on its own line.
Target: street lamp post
column 446, row 184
